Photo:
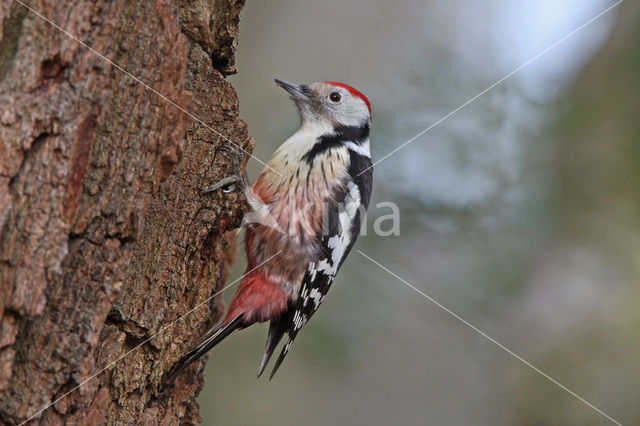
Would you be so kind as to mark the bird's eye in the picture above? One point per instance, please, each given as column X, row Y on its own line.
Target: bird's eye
column 335, row 97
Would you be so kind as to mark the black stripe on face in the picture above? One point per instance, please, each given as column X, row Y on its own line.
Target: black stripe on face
column 353, row 133
column 342, row 135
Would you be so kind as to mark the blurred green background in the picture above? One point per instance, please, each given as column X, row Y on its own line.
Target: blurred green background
column 521, row 213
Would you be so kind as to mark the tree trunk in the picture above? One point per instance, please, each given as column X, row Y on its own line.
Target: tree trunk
column 105, row 238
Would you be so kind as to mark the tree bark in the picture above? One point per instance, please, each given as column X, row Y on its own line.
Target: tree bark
column 105, row 237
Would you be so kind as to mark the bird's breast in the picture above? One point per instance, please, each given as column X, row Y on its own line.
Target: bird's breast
column 293, row 207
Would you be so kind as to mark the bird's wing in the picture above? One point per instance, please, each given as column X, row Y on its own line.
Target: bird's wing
column 344, row 219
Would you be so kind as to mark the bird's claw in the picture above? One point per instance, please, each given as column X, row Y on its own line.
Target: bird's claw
column 227, row 185
column 230, row 148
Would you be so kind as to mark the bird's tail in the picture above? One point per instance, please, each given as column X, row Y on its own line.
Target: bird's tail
column 214, row 336
column 277, row 329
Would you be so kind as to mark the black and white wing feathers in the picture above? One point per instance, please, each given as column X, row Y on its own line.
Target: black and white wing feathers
column 344, row 221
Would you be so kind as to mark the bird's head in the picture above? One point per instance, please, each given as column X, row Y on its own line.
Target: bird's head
column 329, row 102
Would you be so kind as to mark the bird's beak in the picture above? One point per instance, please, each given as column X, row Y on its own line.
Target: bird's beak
column 296, row 91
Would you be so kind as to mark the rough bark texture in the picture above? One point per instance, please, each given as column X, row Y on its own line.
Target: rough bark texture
column 105, row 237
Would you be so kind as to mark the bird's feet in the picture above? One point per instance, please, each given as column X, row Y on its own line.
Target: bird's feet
column 230, row 183
column 227, row 184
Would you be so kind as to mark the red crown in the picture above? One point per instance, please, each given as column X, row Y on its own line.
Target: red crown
column 353, row 91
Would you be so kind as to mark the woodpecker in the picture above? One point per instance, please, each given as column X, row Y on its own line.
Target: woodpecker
column 307, row 207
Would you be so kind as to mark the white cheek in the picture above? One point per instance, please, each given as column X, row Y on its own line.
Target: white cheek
column 353, row 113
